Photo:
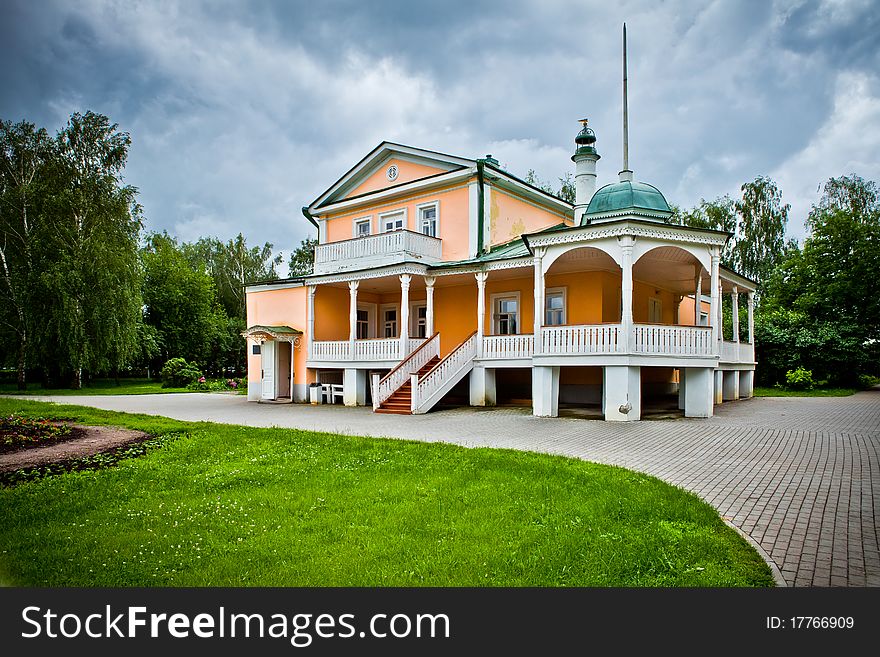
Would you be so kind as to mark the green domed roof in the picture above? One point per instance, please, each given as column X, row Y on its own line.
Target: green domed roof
column 619, row 197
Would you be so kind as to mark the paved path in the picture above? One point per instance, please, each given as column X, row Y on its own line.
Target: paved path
column 801, row 476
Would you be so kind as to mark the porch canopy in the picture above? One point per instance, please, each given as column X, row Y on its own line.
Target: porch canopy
column 260, row 333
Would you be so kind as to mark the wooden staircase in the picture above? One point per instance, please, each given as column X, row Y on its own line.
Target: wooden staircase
column 400, row 402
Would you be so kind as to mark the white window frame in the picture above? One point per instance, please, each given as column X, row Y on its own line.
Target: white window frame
column 659, row 306
column 414, row 317
column 550, row 291
column 359, row 221
column 704, row 319
column 384, row 307
column 383, row 217
column 424, row 206
column 495, row 320
column 371, row 317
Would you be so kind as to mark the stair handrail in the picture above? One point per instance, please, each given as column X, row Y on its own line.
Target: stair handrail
column 383, row 388
column 420, row 383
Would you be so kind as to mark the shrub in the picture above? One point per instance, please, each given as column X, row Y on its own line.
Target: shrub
column 868, row 381
column 178, row 373
column 799, row 379
column 217, row 385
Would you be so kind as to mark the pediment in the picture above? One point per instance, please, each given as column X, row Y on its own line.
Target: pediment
column 389, row 165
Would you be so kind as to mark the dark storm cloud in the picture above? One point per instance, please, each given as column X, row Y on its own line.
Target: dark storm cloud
column 241, row 112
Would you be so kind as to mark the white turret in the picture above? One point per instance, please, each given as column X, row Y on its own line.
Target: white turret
column 584, row 158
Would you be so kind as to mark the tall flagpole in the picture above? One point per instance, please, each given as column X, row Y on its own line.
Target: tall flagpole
column 625, row 109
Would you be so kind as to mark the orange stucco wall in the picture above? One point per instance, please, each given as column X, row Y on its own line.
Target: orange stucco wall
column 455, row 314
column 452, row 215
column 285, row 307
column 510, row 217
column 686, row 311
column 642, row 292
column 406, row 172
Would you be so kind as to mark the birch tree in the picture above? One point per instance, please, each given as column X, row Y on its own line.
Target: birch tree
column 24, row 153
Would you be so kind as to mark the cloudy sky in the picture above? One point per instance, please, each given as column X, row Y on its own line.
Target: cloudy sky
column 242, row 112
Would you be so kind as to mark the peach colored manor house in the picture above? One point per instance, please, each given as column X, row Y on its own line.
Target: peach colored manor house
column 446, row 280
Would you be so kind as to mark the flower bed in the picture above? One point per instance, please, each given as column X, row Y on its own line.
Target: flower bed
column 17, row 432
column 218, row 385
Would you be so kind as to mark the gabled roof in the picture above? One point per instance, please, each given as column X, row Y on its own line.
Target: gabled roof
column 384, row 151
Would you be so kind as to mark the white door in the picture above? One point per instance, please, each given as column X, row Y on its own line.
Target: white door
column 655, row 311
column 268, row 356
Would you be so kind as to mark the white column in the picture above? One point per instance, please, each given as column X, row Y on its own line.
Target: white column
column 481, row 310
column 310, row 338
column 622, row 393
column 698, row 391
column 734, row 300
column 429, row 311
column 626, row 290
column 482, row 386
column 354, row 387
column 545, row 391
column 352, row 316
column 715, row 308
column 404, row 313
column 751, row 298
column 698, row 293
column 539, row 298
column 730, row 385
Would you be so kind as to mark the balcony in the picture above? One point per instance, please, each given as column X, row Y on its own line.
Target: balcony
column 376, row 251
column 365, row 351
column 737, row 352
column 610, row 339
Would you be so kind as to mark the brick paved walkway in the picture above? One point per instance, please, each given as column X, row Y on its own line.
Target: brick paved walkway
column 801, row 476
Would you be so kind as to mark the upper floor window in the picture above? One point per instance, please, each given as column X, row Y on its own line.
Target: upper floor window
column 363, row 324
column 393, row 221
column 655, row 311
column 389, row 322
column 428, row 219
column 505, row 315
column 554, row 306
column 420, row 321
column 362, row 227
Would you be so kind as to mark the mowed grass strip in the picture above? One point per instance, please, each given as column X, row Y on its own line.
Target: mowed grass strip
column 238, row 506
column 96, row 387
column 815, row 392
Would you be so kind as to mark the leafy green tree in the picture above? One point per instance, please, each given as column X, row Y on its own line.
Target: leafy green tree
column 88, row 290
column 179, row 302
column 819, row 309
column 302, row 260
column 24, row 154
column 232, row 265
column 760, row 229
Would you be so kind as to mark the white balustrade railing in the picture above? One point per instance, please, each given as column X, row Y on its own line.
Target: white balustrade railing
column 364, row 349
column 583, row 339
column 330, row 350
column 383, row 389
column 508, row 346
column 737, row 352
column 377, row 349
column 443, row 374
column 371, row 249
column 672, row 340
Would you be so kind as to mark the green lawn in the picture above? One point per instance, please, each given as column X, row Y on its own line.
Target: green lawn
column 97, row 387
column 236, row 506
column 816, row 392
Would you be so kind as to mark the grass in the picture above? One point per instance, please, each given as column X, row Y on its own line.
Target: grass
column 96, row 387
column 815, row 392
column 103, row 387
column 234, row 506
